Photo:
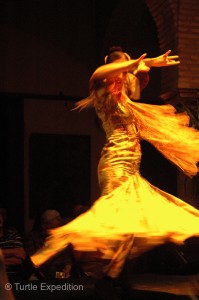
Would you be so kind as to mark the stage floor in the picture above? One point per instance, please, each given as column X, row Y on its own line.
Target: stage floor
column 169, row 285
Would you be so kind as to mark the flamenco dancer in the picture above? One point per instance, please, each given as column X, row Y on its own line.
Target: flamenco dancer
column 131, row 215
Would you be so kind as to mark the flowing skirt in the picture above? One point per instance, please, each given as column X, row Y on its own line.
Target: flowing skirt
column 131, row 216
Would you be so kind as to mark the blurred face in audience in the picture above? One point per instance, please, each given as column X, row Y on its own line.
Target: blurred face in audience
column 55, row 222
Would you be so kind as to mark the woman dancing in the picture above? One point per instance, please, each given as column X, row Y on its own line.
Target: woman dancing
column 131, row 216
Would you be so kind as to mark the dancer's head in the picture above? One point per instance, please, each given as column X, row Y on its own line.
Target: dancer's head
column 116, row 54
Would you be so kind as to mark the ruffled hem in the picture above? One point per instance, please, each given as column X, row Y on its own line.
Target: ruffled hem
column 145, row 213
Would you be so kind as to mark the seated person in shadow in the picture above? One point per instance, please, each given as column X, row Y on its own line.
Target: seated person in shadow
column 12, row 248
column 5, row 294
column 60, row 265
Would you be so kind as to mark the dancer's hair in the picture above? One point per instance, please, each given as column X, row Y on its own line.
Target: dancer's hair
column 115, row 53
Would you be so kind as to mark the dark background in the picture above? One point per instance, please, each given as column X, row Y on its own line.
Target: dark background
column 82, row 31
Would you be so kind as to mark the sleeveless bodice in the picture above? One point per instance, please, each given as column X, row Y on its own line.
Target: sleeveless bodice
column 110, row 105
column 121, row 155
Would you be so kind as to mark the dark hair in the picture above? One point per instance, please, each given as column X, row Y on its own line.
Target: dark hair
column 115, row 48
column 115, row 53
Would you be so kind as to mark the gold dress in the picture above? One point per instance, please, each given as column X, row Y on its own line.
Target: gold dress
column 131, row 215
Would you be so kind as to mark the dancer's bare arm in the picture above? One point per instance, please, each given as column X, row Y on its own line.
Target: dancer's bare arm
column 115, row 68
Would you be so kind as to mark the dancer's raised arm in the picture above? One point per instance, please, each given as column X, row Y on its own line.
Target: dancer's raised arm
column 119, row 66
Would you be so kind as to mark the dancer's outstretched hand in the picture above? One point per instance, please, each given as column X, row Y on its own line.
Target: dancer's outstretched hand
column 165, row 60
column 138, row 65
